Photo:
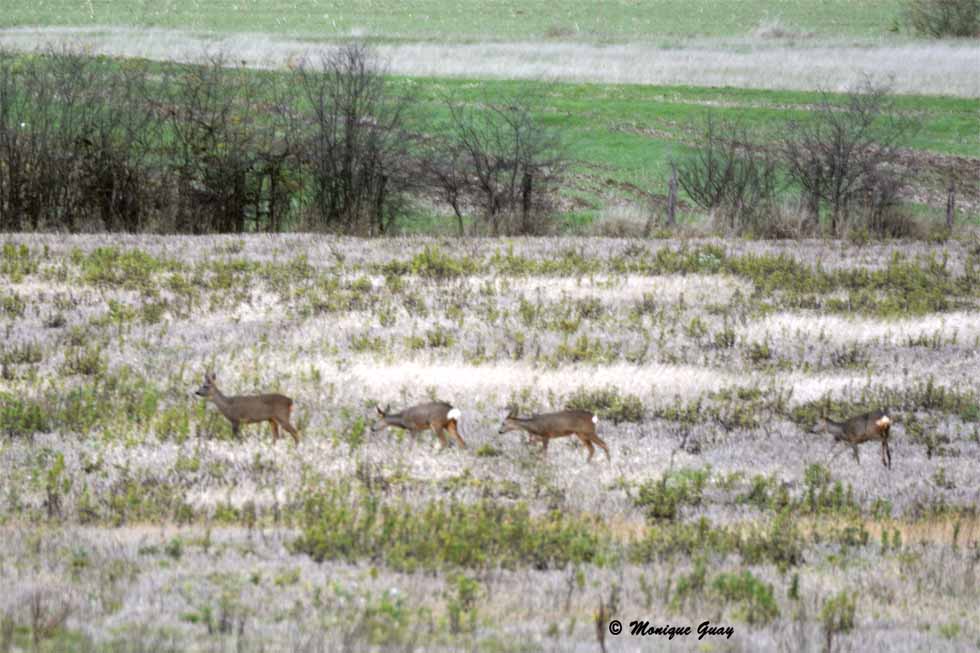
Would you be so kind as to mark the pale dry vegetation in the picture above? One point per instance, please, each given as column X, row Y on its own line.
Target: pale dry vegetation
column 919, row 67
column 132, row 517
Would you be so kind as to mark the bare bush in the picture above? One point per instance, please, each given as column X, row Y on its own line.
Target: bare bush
column 846, row 156
column 727, row 174
column 44, row 604
column 73, row 138
column 355, row 146
column 211, row 111
column 943, row 18
column 500, row 158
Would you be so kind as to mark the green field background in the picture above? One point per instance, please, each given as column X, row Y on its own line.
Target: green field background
column 462, row 20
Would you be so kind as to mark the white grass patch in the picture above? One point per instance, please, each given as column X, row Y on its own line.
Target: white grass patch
column 841, row 330
column 657, row 385
column 624, row 289
column 935, row 68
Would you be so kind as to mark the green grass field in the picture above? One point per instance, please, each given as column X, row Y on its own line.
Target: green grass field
column 615, row 134
column 619, row 20
column 630, row 133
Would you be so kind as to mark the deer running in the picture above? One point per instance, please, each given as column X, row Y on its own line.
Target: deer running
column 437, row 416
column 546, row 426
column 862, row 428
column 248, row 409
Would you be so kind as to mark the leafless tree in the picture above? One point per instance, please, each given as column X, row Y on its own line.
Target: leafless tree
column 846, row 154
column 212, row 111
column 942, row 18
column 73, row 132
column 502, row 158
column 727, row 173
column 356, row 145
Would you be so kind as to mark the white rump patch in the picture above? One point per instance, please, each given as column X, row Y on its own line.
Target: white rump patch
column 454, row 414
column 595, row 420
column 883, row 422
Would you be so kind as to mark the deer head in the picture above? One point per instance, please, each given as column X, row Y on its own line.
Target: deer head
column 382, row 421
column 208, row 387
column 508, row 423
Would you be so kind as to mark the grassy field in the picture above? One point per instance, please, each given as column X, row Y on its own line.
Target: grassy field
column 629, row 133
column 133, row 520
column 499, row 20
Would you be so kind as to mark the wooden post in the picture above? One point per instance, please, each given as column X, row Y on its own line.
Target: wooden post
column 951, row 205
column 672, row 197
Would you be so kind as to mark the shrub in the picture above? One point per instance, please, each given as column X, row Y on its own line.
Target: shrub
column 20, row 417
column 583, row 350
column 780, row 544
column 727, row 173
column 837, row 617
column 941, row 18
column 660, row 499
column 339, row 523
column 87, row 362
column 499, row 158
column 756, row 604
column 16, row 261
column 432, row 262
column 848, row 156
column 607, row 403
column 354, row 141
column 820, row 496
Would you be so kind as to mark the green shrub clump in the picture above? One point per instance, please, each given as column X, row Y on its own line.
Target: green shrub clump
column 339, row 523
column 607, row 403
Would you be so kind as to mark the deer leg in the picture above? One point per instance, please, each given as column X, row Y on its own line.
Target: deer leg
column 598, row 441
column 292, row 431
column 888, row 449
column 857, row 457
column 275, row 430
column 886, row 454
column 454, row 431
column 438, row 430
column 544, row 445
column 236, row 428
column 585, row 440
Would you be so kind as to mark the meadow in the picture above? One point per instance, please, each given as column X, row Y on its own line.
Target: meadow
column 133, row 520
column 500, row 20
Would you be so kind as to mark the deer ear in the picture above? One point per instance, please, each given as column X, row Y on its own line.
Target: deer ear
column 380, row 412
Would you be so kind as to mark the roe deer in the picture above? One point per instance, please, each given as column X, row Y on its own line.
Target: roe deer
column 581, row 423
column 435, row 415
column 248, row 409
column 862, row 428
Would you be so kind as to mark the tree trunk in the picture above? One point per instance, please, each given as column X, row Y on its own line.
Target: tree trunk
column 454, row 202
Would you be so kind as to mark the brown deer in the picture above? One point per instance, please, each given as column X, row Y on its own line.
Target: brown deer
column 437, row 416
column 861, row 428
column 546, row 426
column 248, row 409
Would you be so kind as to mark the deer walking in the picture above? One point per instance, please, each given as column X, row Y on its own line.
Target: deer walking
column 546, row 426
column 862, row 428
column 248, row 409
column 437, row 416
